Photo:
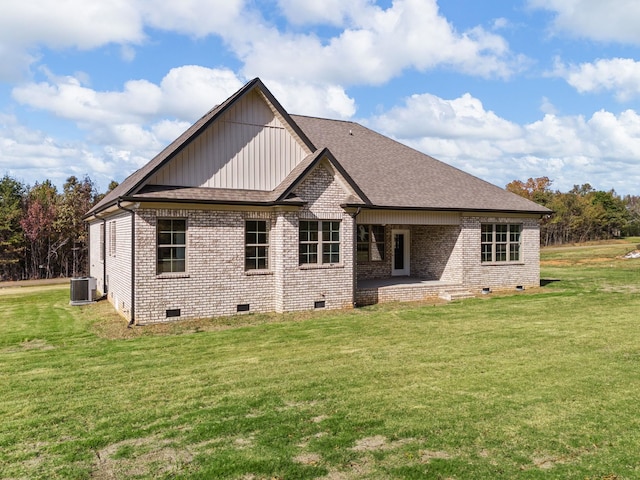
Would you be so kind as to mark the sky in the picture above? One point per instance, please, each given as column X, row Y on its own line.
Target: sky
column 505, row 90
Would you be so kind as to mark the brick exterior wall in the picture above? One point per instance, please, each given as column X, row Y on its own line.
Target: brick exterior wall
column 478, row 275
column 305, row 284
column 216, row 282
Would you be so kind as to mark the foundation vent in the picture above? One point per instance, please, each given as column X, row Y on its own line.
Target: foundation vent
column 242, row 307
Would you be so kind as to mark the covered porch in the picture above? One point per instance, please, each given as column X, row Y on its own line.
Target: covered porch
column 408, row 256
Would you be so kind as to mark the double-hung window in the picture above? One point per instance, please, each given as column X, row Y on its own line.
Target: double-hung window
column 370, row 243
column 319, row 242
column 256, row 245
column 171, row 245
column 500, row 242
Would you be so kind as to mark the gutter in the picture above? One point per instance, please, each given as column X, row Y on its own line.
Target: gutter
column 133, row 261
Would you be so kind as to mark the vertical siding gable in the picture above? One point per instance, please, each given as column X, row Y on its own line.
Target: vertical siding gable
column 249, row 148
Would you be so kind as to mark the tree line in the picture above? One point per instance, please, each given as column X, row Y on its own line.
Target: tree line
column 42, row 233
column 582, row 214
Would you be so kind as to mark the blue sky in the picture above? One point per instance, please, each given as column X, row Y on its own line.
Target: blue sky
column 503, row 90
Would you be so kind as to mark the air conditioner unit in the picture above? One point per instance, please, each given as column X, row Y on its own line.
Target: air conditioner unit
column 83, row 290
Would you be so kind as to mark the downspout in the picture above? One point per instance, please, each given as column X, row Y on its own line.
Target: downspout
column 354, row 285
column 104, row 258
column 133, row 262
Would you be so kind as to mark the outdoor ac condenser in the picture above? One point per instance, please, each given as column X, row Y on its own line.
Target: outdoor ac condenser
column 83, row 290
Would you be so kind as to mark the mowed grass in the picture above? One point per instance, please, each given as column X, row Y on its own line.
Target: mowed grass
column 541, row 384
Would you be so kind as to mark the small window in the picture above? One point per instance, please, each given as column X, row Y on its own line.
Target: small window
column 370, row 243
column 256, row 245
column 319, row 242
column 112, row 239
column 102, row 240
column 500, row 242
column 172, row 245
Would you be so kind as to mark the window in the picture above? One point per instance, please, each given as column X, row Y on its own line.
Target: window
column 370, row 243
column 256, row 245
column 172, row 245
column 500, row 242
column 319, row 242
column 112, row 239
column 102, row 239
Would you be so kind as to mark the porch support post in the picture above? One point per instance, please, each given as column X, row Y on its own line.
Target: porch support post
column 354, row 246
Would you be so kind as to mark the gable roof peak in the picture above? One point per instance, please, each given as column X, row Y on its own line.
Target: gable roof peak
column 138, row 179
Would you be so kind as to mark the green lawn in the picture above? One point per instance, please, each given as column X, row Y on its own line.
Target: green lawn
column 541, row 384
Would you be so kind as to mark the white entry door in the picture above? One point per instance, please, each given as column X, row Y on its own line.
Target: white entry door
column 401, row 251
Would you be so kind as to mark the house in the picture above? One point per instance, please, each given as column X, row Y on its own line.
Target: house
column 254, row 209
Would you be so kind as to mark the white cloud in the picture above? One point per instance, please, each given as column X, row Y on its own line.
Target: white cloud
column 595, row 19
column 27, row 26
column 426, row 115
column 618, row 75
column 375, row 45
column 320, row 100
column 197, row 18
column 547, row 107
column 323, row 12
column 603, row 150
column 184, row 93
column 190, row 91
column 30, row 155
column 378, row 45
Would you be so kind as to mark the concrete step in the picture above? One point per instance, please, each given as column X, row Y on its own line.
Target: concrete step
column 456, row 295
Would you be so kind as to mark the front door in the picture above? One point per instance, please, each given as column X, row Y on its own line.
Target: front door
column 401, row 251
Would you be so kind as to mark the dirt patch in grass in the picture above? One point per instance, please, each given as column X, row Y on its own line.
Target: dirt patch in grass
column 36, row 344
column 427, row 455
column 546, row 463
column 370, row 443
column 308, row 458
column 379, row 442
column 139, row 457
column 33, row 344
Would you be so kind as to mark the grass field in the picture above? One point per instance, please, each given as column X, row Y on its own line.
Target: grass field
column 541, row 384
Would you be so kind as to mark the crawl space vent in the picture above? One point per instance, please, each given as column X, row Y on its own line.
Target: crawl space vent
column 243, row 307
column 174, row 312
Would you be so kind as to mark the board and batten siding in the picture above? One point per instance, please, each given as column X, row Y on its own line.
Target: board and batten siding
column 247, row 148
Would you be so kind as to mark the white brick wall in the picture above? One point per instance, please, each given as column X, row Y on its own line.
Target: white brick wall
column 479, row 275
column 215, row 282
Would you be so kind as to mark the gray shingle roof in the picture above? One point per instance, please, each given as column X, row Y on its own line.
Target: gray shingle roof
column 385, row 173
column 393, row 175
